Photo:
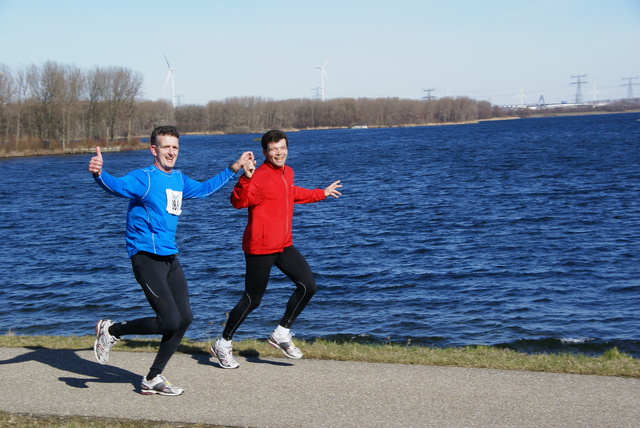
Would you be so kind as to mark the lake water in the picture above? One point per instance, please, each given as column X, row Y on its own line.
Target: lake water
column 520, row 233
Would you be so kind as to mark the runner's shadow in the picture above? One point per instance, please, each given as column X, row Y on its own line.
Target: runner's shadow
column 68, row 360
column 251, row 355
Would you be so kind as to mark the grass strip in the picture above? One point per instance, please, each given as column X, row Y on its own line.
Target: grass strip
column 611, row 363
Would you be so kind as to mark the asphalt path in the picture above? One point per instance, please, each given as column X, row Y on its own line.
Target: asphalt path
column 279, row 392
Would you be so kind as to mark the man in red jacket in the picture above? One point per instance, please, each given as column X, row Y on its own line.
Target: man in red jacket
column 269, row 194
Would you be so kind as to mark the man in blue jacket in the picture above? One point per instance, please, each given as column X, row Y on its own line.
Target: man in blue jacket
column 155, row 198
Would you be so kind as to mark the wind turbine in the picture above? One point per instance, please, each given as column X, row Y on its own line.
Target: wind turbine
column 170, row 76
column 522, row 97
column 323, row 74
column 594, row 92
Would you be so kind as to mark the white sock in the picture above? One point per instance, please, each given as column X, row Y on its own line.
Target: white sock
column 280, row 331
column 224, row 342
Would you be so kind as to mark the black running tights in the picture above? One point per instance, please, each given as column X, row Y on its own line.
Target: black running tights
column 165, row 287
column 258, row 268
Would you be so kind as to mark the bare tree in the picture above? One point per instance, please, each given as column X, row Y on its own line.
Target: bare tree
column 48, row 85
column 97, row 82
column 22, row 94
column 114, row 99
column 121, row 91
column 132, row 92
column 74, row 87
column 6, row 94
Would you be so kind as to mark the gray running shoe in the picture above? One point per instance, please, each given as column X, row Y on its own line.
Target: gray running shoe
column 104, row 341
column 159, row 385
column 224, row 355
column 285, row 344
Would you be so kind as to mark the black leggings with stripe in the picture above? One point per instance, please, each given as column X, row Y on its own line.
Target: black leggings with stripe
column 165, row 286
column 258, row 269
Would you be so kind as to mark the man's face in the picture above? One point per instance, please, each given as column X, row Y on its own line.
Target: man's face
column 165, row 152
column 276, row 153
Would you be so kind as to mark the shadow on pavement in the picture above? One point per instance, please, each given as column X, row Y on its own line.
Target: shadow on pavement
column 69, row 361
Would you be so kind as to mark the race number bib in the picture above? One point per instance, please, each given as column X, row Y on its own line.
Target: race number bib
column 174, row 202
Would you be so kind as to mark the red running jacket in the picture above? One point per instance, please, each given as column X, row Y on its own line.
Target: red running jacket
column 269, row 195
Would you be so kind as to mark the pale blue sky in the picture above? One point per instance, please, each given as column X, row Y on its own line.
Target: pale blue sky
column 489, row 50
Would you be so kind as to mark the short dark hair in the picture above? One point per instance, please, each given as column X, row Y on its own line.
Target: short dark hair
column 170, row 130
column 273, row 136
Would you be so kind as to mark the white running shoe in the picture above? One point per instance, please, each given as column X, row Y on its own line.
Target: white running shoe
column 285, row 344
column 224, row 355
column 159, row 385
column 104, row 341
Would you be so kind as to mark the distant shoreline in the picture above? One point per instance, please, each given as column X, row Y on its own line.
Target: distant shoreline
column 143, row 145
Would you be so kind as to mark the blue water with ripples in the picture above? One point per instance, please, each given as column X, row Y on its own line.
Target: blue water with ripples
column 520, row 233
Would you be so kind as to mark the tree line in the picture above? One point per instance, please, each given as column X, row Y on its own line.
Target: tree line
column 56, row 106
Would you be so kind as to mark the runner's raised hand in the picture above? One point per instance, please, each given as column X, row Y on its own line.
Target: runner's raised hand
column 332, row 190
column 95, row 164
